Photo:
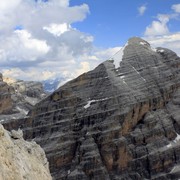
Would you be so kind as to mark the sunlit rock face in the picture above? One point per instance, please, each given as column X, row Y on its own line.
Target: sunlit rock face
column 118, row 121
column 20, row 159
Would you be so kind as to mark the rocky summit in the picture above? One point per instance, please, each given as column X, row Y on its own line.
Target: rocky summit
column 118, row 121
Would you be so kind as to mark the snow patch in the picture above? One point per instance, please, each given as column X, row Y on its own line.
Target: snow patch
column 169, row 145
column 143, row 43
column 177, row 138
column 91, row 101
column 2, row 120
column 154, row 49
column 89, row 104
column 160, row 50
column 122, row 77
column 21, row 110
column 135, row 69
column 174, row 141
column 146, row 44
column 117, row 58
column 175, row 169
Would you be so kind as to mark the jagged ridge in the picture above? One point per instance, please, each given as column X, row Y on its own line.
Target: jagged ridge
column 114, row 122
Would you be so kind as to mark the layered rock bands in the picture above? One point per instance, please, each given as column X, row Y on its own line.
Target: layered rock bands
column 119, row 121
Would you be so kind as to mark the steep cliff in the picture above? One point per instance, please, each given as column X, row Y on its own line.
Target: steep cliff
column 119, row 121
column 6, row 102
column 20, row 159
column 17, row 97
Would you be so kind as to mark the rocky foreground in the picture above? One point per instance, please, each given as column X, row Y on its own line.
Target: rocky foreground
column 119, row 121
column 21, row 160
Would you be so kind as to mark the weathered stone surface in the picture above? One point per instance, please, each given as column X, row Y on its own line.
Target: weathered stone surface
column 6, row 102
column 21, row 160
column 115, row 122
column 17, row 97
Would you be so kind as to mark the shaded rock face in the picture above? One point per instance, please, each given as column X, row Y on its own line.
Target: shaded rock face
column 18, row 97
column 6, row 102
column 119, row 121
column 20, row 159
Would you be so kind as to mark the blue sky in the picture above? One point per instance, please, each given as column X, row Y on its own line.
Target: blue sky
column 46, row 39
column 112, row 22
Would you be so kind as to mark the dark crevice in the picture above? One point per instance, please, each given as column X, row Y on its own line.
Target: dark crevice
column 148, row 167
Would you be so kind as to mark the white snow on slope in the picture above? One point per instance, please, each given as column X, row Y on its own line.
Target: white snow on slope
column 160, row 50
column 91, row 101
column 175, row 141
column 118, row 56
column 21, row 110
column 143, row 43
column 147, row 45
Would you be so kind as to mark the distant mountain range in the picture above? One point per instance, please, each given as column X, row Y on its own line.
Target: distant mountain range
column 51, row 85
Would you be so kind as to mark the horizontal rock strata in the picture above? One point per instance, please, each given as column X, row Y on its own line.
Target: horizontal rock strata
column 115, row 122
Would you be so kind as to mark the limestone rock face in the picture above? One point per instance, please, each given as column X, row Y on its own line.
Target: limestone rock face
column 6, row 102
column 18, row 97
column 119, row 121
column 21, row 160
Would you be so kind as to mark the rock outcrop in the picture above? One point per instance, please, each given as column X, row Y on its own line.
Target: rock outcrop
column 6, row 102
column 119, row 121
column 17, row 97
column 21, row 160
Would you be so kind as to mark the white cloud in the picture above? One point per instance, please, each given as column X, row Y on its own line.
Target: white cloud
column 176, row 8
column 84, row 67
column 106, row 54
column 6, row 6
column 30, row 43
column 47, row 45
column 142, row 10
column 158, row 27
column 69, row 68
column 158, row 33
column 170, row 41
column 57, row 29
column 20, row 46
column 34, row 15
column 28, row 74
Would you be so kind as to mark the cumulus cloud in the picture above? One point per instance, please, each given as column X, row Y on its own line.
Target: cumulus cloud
column 28, row 74
column 57, row 29
column 170, row 41
column 158, row 33
column 37, row 40
column 142, row 10
column 158, row 27
column 67, row 69
column 20, row 46
column 176, row 8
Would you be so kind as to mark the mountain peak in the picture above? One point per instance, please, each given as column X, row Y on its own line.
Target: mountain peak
column 133, row 43
column 114, row 123
column 136, row 40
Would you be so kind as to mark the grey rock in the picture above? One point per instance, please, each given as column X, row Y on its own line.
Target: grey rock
column 17, row 134
column 20, row 97
column 118, row 121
